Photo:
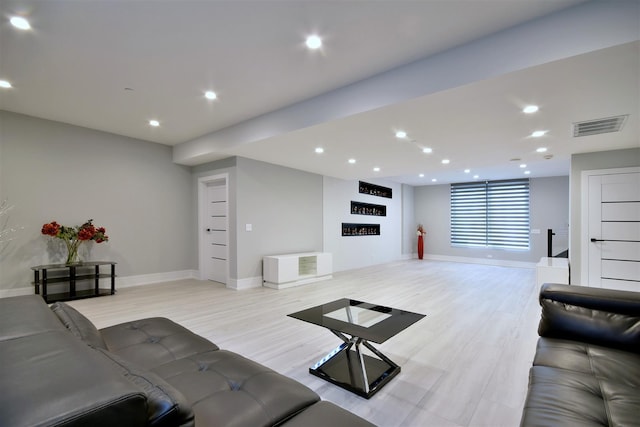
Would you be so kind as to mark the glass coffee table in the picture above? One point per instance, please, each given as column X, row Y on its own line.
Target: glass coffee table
column 356, row 323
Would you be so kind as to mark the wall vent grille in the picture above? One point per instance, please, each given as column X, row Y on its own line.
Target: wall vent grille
column 597, row 126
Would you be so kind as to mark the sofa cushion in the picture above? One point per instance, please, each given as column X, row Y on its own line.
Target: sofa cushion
column 560, row 397
column 78, row 324
column 600, row 362
column 167, row 407
column 153, row 342
column 225, row 388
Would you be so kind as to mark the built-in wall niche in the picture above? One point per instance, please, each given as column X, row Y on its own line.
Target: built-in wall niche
column 351, row 229
column 359, row 208
column 375, row 190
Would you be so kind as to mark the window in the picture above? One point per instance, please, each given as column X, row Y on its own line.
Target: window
column 490, row 214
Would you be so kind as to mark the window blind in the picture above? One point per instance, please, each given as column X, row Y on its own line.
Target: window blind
column 490, row 214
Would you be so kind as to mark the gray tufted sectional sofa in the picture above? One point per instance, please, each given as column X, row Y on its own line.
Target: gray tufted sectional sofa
column 57, row 369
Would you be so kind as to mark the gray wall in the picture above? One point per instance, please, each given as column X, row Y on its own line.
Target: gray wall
column 350, row 252
column 53, row 171
column 409, row 223
column 583, row 162
column 549, row 209
column 284, row 207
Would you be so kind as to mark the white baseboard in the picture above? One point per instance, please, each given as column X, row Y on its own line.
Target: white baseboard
column 485, row 261
column 121, row 282
column 147, row 279
column 297, row 282
column 27, row 290
column 249, row 282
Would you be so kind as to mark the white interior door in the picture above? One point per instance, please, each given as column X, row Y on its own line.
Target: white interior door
column 614, row 231
column 214, row 228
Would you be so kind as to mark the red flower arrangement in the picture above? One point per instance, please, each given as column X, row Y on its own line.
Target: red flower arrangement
column 74, row 236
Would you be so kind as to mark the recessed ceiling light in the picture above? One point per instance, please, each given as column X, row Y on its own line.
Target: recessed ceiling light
column 527, row 172
column 538, row 133
column 210, row 94
column 476, row 176
column 467, row 170
column 401, row 134
column 523, row 166
column 427, row 150
column 314, row 42
column 376, row 169
column 154, row 123
column 530, row 109
column 445, row 161
column 421, row 175
column 352, row 161
column 319, row 150
column 5, row 84
column 20, row 23
column 542, row 150
column 434, row 180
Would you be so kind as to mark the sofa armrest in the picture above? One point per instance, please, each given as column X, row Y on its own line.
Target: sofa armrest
column 597, row 316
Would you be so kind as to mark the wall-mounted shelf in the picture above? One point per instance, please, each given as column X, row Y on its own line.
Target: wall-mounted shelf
column 375, row 190
column 359, row 208
column 351, row 229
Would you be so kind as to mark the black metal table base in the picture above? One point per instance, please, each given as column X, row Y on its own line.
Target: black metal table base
column 347, row 367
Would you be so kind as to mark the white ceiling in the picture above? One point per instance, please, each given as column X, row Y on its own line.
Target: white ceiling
column 77, row 61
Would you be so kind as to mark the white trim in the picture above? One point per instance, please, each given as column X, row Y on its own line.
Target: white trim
column 121, row 282
column 486, row 261
column 27, row 290
column 247, row 283
column 584, row 214
column 297, row 282
column 202, row 197
column 147, row 279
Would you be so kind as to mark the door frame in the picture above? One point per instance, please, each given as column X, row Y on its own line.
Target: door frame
column 203, row 183
column 584, row 214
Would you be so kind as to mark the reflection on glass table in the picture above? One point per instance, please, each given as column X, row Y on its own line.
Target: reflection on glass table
column 358, row 316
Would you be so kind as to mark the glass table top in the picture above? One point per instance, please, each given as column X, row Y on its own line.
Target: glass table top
column 371, row 322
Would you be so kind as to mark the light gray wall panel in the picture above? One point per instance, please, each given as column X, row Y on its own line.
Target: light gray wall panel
column 284, row 208
column 351, row 252
column 53, row 171
column 409, row 224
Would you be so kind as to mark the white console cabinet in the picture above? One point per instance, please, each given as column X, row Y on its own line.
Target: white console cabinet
column 285, row 271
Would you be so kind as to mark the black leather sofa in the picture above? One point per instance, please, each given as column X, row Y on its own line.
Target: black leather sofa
column 57, row 369
column 586, row 370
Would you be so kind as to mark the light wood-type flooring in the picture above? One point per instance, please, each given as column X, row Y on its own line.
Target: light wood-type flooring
column 465, row 364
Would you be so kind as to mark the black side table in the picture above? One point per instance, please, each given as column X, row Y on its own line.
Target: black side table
column 71, row 274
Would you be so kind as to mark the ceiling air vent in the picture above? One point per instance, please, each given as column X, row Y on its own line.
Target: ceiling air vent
column 594, row 127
